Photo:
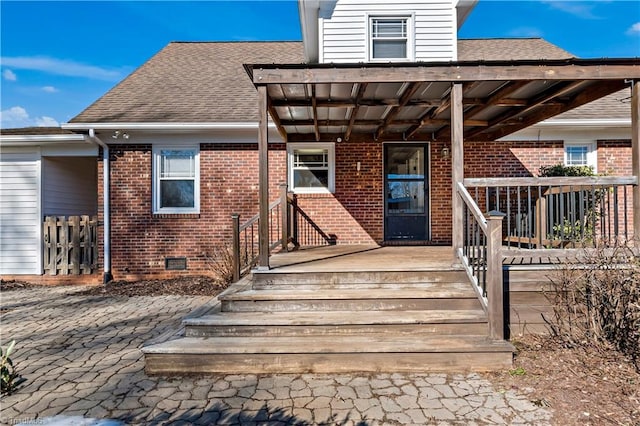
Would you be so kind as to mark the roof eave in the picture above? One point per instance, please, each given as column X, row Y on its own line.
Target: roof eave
column 585, row 122
column 464, row 9
column 308, row 11
column 186, row 126
column 30, row 140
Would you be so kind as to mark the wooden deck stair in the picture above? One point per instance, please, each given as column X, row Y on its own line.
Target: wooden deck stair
column 338, row 322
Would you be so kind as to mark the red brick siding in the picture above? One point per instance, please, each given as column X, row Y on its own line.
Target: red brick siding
column 354, row 213
column 141, row 241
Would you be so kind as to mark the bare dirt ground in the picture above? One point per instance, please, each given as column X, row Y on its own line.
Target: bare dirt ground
column 181, row 286
column 583, row 385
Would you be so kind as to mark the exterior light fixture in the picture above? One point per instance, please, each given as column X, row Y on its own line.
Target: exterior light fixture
column 118, row 134
column 444, row 152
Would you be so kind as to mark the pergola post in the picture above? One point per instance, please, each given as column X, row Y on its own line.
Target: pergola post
column 635, row 156
column 457, row 165
column 263, row 179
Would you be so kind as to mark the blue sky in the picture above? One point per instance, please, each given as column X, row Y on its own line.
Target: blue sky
column 57, row 57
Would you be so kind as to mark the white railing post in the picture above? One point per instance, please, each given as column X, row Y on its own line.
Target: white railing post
column 495, row 285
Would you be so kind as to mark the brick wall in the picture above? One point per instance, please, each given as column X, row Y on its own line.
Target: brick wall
column 140, row 240
column 354, row 214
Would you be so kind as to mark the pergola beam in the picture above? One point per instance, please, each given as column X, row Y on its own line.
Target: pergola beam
column 314, row 107
column 263, row 178
column 552, row 93
column 570, row 69
column 341, row 123
column 361, row 89
column 584, row 97
column 498, row 97
column 457, row 165
column 404, row 99
column 635, row 156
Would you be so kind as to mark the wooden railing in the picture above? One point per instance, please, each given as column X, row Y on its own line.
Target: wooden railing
column 536, row 215
column 559, row 212
column 70, row 245
column 481, row 257
column 289, row 226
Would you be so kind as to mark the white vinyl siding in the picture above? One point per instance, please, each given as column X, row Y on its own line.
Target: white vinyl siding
column 69, row 186
column 20, row 221
column 344, row 36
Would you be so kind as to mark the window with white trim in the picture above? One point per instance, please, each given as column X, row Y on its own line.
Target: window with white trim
column 389, row 38
column 176, row 179
column 581, row 154
column 311, row 167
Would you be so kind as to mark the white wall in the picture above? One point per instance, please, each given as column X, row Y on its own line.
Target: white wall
column 343, row 35
column 20, row 224
column 70, row 186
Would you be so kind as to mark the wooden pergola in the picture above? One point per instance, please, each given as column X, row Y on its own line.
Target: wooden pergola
column 451, row 102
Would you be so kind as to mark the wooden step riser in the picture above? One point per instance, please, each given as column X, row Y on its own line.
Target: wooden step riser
column 284, row 285
column 348, row 305
column 180, row 364
column 417, row 330
column 267, row 278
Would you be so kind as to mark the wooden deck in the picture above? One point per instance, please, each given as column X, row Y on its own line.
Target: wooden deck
column 358, row 258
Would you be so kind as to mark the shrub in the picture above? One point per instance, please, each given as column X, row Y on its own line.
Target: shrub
column 9, row 378
column 597, row 300
column 220, row 262
column 562, row 170
column 580, row 211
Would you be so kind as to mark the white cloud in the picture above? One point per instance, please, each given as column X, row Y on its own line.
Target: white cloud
column 17, row 116
column 45, row 121
column 49, row 89
column 61, row 67
column 9, row 75
column 525, row 32
column 580, row 9
column 634, row 29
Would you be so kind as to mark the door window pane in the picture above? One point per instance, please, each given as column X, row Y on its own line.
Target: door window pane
column 405, row 197
column 405, row 162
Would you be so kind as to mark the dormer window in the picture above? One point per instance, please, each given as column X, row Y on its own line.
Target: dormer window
column 389, row 38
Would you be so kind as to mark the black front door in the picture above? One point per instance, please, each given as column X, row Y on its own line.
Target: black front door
column 406, row 207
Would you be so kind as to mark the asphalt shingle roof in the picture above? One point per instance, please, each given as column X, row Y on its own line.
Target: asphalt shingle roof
column 616, row 105
column 206, row 82
column 191, row 82
column 36, row 131
column 508, row 49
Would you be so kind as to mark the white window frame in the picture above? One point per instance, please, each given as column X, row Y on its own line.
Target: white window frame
column 409, row 37
column 592, row 153
column 157, row 157
column 330, row 147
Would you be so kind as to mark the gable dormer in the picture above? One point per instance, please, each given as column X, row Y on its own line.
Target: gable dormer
column 351, row 31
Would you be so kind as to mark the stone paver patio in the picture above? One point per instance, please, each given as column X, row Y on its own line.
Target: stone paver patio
column 81, row 357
